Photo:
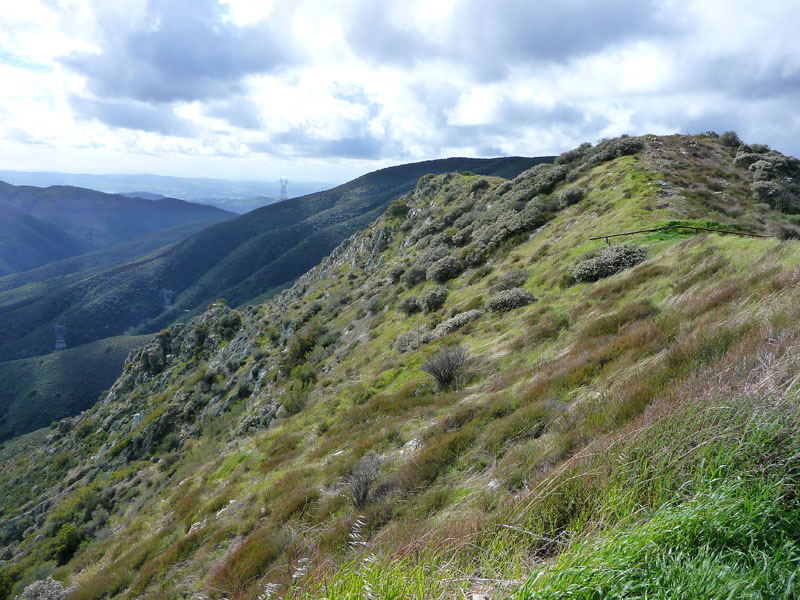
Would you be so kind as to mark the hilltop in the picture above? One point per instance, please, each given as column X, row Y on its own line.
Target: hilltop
column 605, row 419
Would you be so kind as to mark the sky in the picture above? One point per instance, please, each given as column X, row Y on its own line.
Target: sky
column 328, row 90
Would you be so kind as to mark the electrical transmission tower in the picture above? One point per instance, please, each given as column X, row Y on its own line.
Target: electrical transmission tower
column 61, row 344
column 167, row 296
column 284, row 183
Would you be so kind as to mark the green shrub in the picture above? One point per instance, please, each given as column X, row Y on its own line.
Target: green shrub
column 66, row 543
column 434, row 299
column 444, row 269
column 410, row 305
column 512, row 278
column 571, row 196
column 510, row 299
column 730, row 139
column 607, row 261
column 295, row 399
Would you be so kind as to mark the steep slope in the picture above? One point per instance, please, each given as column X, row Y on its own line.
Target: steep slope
column 102, row 220
column 625, row 421
column 38, row 391
column 241, row 259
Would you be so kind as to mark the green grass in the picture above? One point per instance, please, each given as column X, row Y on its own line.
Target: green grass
column 43, row 389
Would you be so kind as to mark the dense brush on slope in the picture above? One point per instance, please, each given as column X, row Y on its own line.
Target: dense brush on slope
column 301, row 447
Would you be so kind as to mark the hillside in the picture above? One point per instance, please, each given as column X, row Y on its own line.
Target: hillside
column 241, row 259
column 38, row 391
column 605, row 420
column 27, row 242
column 101, row 220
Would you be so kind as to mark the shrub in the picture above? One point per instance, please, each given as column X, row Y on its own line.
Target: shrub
column 66, row 542
column 478, row 185
column 398, row 208
column 730, row 139
column 513, row 278
column 510, row 299
column 414, row 275
column 434, row 298
column 407, row 341
column 446, row 366
column 361, row 479
column 607, row 261
column 444, row 269
column 410, row 305
column 453, row 323
column 571, row 196
column 295, row 399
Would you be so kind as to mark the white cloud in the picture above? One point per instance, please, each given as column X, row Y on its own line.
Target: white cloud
column 305, row 87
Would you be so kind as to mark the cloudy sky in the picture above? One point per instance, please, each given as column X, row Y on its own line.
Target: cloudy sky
column 327, row 90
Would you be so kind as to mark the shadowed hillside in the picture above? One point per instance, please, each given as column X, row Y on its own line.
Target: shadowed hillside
column 101, row 220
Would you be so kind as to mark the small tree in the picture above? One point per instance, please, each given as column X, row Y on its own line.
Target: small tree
column 361, row 479
column 446, row 366
column 730, row 139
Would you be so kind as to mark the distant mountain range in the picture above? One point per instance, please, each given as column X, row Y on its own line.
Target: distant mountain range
column 242, row 259
column 236, row 196
column 42, row 225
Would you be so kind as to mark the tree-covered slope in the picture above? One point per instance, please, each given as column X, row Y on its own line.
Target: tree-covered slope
column 240, row 259
column 604, row 420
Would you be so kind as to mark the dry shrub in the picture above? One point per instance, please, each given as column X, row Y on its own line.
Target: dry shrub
column 447, row 366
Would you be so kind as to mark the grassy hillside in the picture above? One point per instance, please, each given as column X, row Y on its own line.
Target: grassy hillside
column 249, row 256
column 604, row 421
column 43, row 389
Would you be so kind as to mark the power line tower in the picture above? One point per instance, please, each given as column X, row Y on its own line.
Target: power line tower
column 61, row 344
column 167, row 296
column 284, row 183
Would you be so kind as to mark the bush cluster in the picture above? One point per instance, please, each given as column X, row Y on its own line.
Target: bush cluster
column 444, row 269
column 571, row 196
column 607, row 261
column 513, row 278
column 434, row 299
column 510, row 299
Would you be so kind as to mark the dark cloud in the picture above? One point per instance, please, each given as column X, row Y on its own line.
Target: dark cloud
column 745, row 77
column 184, row 52
column 489, row 38
column 131, row 114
